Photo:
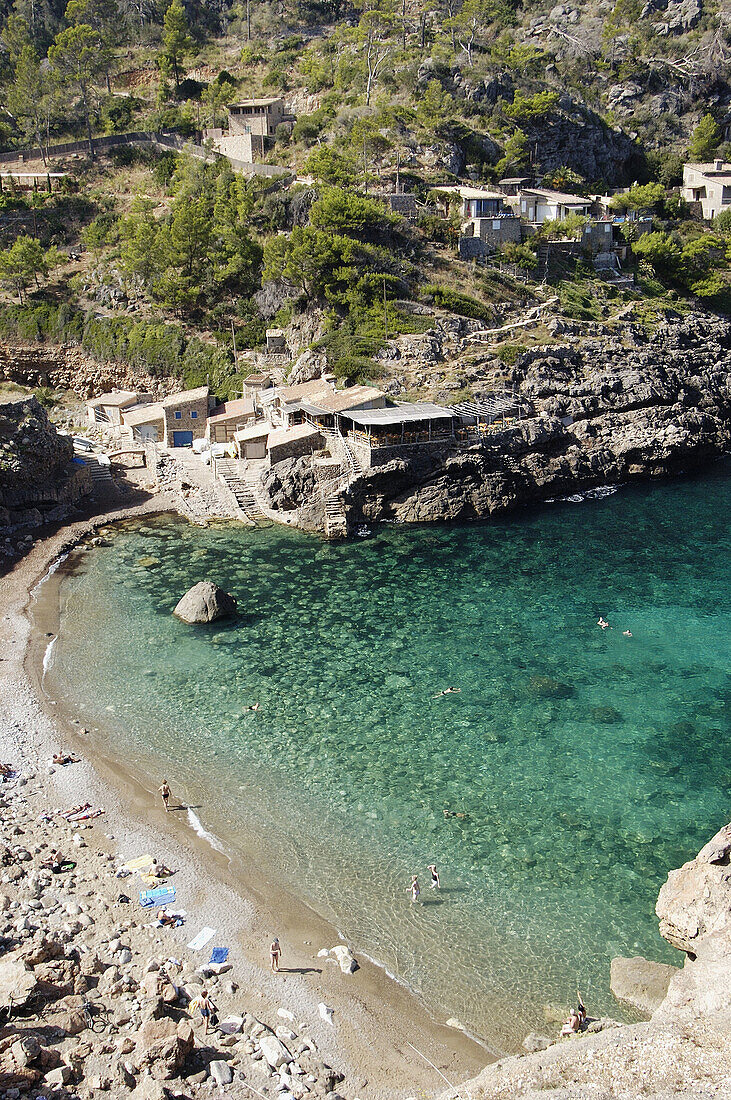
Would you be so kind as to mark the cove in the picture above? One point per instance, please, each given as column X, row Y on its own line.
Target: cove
column 576, row 766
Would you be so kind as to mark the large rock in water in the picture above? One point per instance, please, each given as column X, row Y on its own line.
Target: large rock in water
column 641, row 983
column 204, row 603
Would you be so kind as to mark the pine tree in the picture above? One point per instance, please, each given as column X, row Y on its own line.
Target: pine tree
column 176, row 40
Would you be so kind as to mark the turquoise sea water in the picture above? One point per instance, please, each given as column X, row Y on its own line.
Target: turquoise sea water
column 577, row 765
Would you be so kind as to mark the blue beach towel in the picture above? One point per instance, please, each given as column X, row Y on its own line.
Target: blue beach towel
column 218, row 955
column 161, row 895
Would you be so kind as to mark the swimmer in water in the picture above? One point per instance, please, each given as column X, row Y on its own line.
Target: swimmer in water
column 602, row 622
column 627, row 633
column 448, row 691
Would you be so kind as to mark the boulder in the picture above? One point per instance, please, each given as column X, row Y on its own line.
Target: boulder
column 17, row 982
column 164, row 1046
column 348, row 964
column 204, row 603
column 641, row 983
column 221, row 1072
column 274, row 1051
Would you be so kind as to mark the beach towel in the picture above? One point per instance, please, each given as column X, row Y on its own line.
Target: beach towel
column 161, row 896
column 203, row 937
column 218, row 955
column 139, row 863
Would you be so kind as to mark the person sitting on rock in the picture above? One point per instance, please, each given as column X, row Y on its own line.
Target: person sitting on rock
column 572, row 1025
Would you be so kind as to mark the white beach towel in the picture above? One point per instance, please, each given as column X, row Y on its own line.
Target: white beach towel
column 202, row 939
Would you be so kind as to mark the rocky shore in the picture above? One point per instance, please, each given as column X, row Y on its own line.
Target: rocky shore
column 608, row 409
column 96, row 999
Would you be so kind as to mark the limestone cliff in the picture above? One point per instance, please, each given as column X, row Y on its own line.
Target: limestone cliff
column 684, row 1050
column 66, row 367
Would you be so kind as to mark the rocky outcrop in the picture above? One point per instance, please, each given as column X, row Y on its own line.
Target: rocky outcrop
column 604, row 414
column 684, row 1050
column 67, row 367
column 693, row 905
column 204, row 603
column 640, row 983
column 38, row 480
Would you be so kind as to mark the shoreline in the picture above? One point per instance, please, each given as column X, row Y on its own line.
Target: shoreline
column 372, row 1010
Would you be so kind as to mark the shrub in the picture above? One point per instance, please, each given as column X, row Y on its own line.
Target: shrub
column 455, row 302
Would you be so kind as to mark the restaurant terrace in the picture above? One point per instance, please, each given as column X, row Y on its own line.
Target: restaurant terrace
column 399, row 425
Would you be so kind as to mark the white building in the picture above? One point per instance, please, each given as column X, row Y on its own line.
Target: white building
column 538, row 205
column 708, row 184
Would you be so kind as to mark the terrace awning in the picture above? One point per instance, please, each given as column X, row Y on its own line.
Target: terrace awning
column 398, row 414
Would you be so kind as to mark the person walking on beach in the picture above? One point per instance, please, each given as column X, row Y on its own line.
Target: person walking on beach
column 164, row 790
column 206, row 1008
column 435, row 883
column 415, row 889
column 275, row 954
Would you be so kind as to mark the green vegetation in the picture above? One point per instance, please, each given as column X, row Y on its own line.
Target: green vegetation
column 397, row 96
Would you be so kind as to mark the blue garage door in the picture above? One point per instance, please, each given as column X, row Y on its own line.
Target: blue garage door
column 182, row 439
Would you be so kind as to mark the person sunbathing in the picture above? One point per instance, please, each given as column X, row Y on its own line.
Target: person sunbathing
column 159, row 870
column 573, row 1024
column 74, row 810
column 54, row 860
column 63, row 758
column 86, row 815
column 165, row 919
column 6, row 770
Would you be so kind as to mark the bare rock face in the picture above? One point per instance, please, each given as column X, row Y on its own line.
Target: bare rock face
column 695, row 902
column 204, row 603
column 641, row 983
column 17, row 982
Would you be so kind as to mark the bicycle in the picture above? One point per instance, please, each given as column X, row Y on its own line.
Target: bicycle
column 96, row 1016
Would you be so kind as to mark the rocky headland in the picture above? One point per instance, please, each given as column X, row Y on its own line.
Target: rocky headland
column 607, row 410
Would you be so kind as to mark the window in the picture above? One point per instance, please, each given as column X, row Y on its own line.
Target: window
column 486, row 207
column 178, row 415
column 193, row 414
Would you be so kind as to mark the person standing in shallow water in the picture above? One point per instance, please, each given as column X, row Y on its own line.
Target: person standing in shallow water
column 435, row 883
column 275, row 954
column 415, row 889
column 164, row 790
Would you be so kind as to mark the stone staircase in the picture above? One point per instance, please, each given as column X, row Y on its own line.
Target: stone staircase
column 240, row 489
column 336, row 524
column 355, row 463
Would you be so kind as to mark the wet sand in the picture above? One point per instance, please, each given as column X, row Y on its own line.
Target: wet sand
column 379, row 1026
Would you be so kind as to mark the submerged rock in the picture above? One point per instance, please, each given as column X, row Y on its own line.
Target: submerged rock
column 204, row 603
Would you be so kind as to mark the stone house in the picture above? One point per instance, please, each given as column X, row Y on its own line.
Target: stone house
column 302, row 439
column 226, row 419
column 709, row 185
column 144, row 423
column 185, row 415
column 485, row 217
column 283, row 406
column 106, row 410
column 257, row 116
column 251, row 442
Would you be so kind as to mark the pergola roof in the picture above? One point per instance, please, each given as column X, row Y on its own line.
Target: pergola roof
column 400, row 414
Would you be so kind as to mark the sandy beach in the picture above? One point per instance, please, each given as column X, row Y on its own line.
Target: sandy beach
column 381, row 1037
